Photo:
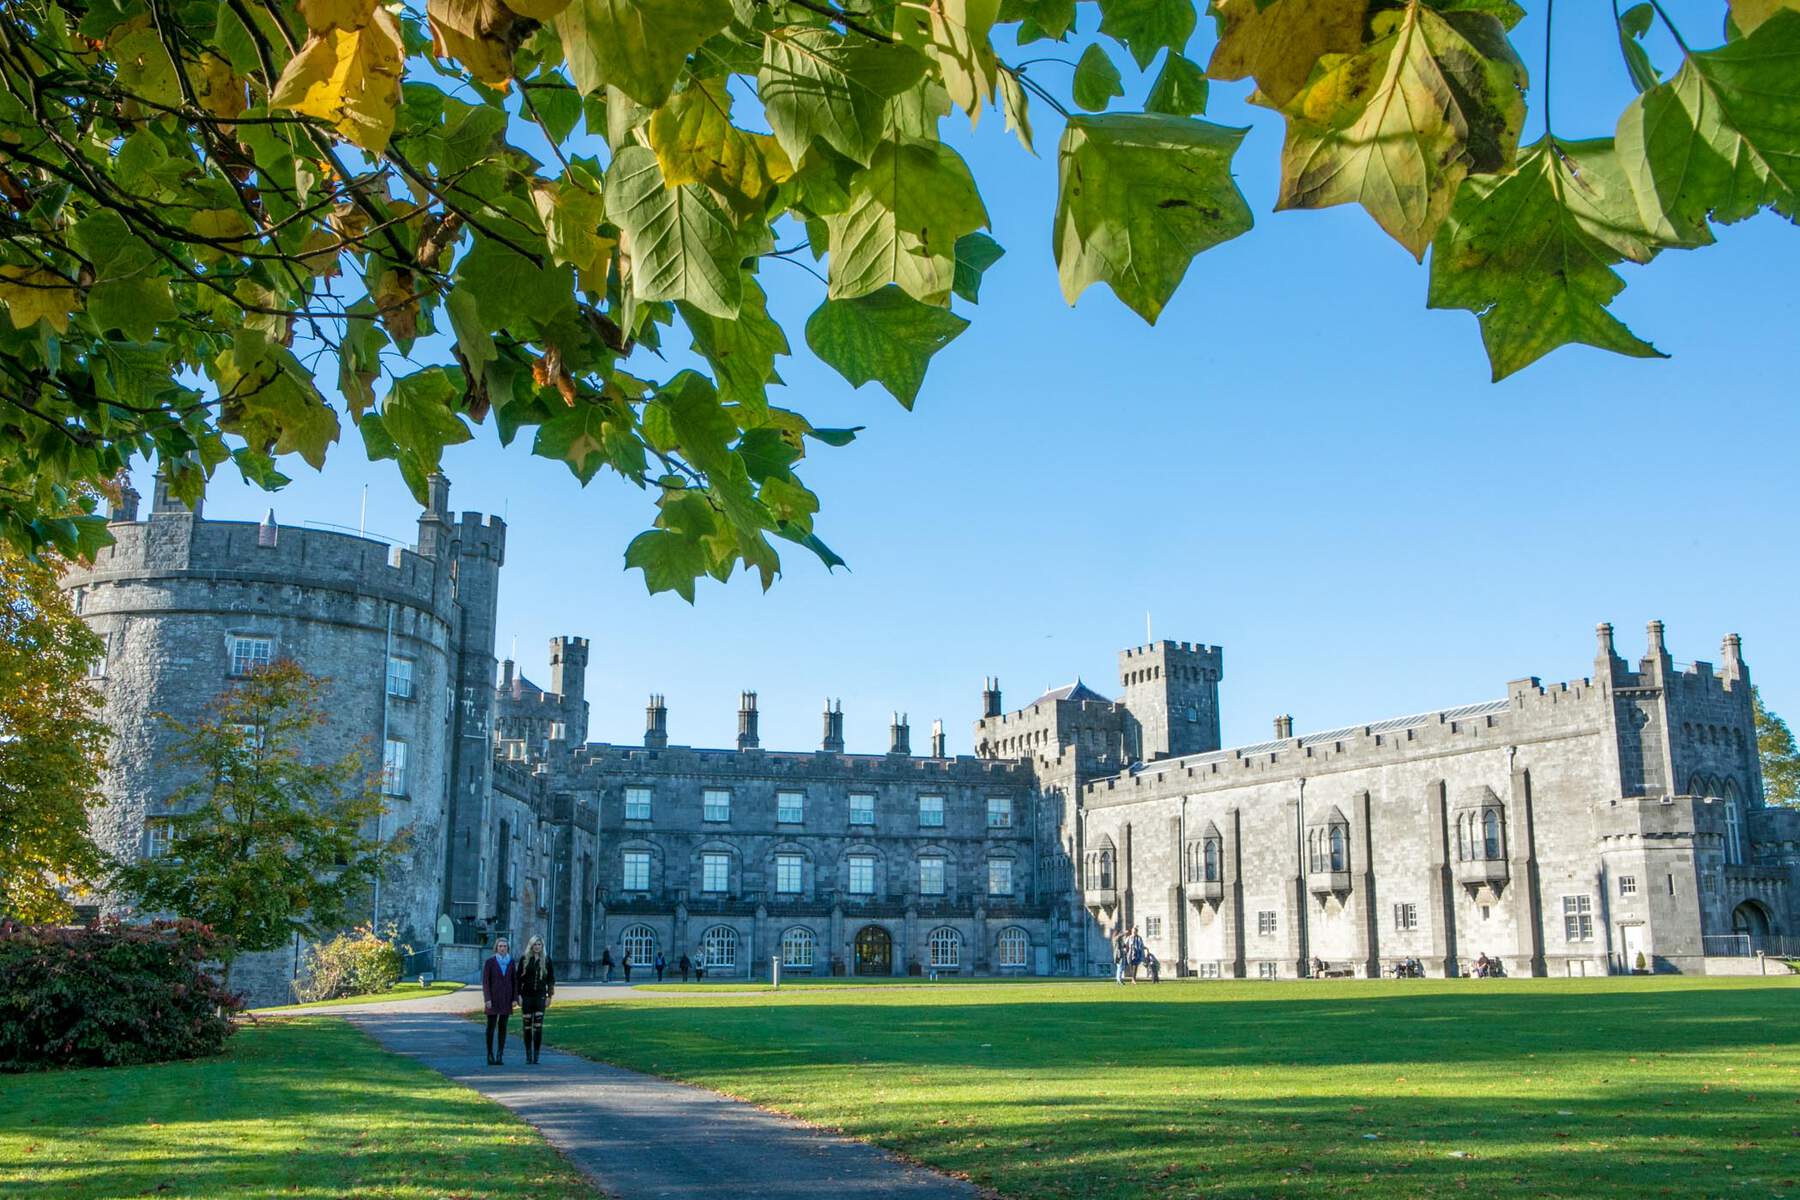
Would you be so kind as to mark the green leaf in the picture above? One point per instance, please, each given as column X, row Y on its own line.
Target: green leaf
column 1633, row 24
column 515, row 293
column 887, row 336
column 1017, row 107
column 472, row 337
column 702, row 428
column 671, row 562
column 417, row 420
column 1180, row 89
column 127, row 293
column 268, row 399
column 975, row 253
column 572, row 217
column 1398, row 126
column 741, row 350
column 907, row 208
column 1039, row 18
column 1097, row 81
column 680, row 241
column 1532, row 253
column 637, row 46
column 1140, row 196
column 1721, row 139
column 587, row 436
column 1748, row 15
column 1147, row 26
column 816, row 84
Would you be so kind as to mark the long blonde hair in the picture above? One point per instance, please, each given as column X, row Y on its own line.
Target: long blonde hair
column 534, row 950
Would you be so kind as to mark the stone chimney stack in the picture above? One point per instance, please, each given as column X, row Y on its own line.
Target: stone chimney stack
column 833, row 742
column 268, row 533
column 990, row 696
column 1284, row 727
column 747, row 739
column 1731, row 657
column 1656, row 658
column 656, row 724
column 127, row 507
column 899, row 735
column 937, row 739
column 506, row 675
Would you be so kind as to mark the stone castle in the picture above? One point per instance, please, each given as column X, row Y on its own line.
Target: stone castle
column 1607, row 824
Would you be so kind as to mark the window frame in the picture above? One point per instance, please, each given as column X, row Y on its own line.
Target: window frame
column 644, row 939
column 1406, row 916
column 925, row 808
column 394, row 766
column 798, row 810
column 630, row 858
column 1005, row 866
column 711, row 861
column 940, row 863
column 254, row 660
column 855, row 865
column 943, row 947
column 797, row 936
column 1012, row 936
column 1578, row 918
column 717, row 936
column 783, row 862
column 999, row 812
column 159, row 836
column 1268, row 923
column 857, row 810
column 711, row 810
column 634, row 795
column 1628, row 885
column 404, row 677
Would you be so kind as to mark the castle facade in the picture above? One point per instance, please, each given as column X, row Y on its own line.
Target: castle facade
column 1607, row 824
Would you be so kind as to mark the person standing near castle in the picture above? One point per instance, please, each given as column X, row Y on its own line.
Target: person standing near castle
column 662, row 964
column 606, row 965
column 537, row 983
column 499, row 992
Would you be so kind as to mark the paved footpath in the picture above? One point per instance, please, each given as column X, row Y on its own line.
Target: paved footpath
column 643, row 1138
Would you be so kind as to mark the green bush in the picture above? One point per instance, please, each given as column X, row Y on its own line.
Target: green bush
column 359, row 963
column 110, row 994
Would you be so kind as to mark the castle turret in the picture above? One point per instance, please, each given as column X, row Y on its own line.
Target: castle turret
column 1731, row 659
column 436, row 530
column 833, row 741
column 568, row 679
column 990, row 696
column 1172, row 693
column 126, row 507
column 1284, row 727
column 656, row 723
column 1657, row 661
column 747, row 738
column 899, row 735
column 268, row 533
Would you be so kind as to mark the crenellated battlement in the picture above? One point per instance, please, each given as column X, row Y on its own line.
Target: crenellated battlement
column 798, row 765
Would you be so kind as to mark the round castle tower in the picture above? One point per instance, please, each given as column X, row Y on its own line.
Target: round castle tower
column 187, row 606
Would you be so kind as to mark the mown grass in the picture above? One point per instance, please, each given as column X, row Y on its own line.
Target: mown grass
column 405, row 991
column 839, row 983
column 1602, row 1088
column 300, row 1107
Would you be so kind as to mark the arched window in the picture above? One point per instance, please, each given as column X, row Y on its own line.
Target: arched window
column 798, row 947
column 1340, row 859
column 946, row 948
column 1106, row 868
column 639, row 941
column 718, row 947
column 1490, row 834
column 1212, row 862
column 1012, row 948
column 1734, row 836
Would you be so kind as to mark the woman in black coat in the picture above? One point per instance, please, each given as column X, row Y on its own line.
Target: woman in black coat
column 537, row 983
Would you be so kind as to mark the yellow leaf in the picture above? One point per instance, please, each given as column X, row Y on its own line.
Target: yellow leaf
column 221, row 92
column 350, row 78
column 1279, row 43
column 1751, row 13
column 537, row 10
column 954, row 33
column 398, row 306
column 480, row 34
column 324, row 15
column 695, row 142
column 33, row 292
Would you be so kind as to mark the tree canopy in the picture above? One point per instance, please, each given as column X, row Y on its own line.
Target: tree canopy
column 1779, row 755
column 231, row 228
column 52, row 743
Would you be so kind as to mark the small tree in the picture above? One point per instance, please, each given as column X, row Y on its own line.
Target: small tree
column 265, row 843
column 1780, row 756
column 52, row 746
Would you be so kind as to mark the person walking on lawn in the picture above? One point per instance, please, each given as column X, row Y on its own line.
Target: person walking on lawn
column 499, row 992
column 662, row 964
column 537, row 983
column 625, row 966
column 686, row 964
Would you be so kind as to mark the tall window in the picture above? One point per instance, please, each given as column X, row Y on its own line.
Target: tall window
column 393, row 768
column 637, row 804
column 715, row 805
column 249, row 653
column 715, row 873
column 1152, row 928
column 1734, row 837
column 787, row 873
column 1265, row 922
column 931, row 876
column 1000, row 881
column 931, row 812
column 798, row 947
column 637, row 870
column 1012, row 947
column 790, row 807
column 862, row 874
column 718, row 947
column 1340, row 859
column 1211, row 865
column 159, row 832
column 862, row 808
column 639, row 941
column 1406, row 916
column 1578, row 918
column 946, row 948
column 1105, row 864
column 400, row 677
column 1490, row 833
column 1000, row 812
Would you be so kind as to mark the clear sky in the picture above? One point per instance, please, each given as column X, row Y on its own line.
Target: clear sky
column 1299, row 463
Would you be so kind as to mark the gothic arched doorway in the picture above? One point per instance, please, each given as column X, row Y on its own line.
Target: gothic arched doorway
column 1752, row 919
column 874, row 951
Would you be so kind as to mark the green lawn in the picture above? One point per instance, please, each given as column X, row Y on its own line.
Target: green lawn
column 1410, row 1088
column 405, row 991
column 300, row 1107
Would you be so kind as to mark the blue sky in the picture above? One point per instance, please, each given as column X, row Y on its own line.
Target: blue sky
column 1300, row 463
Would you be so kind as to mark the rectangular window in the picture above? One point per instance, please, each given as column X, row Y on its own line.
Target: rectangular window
column 97, row 667
column 931, row 812
column 1000, row 881
column 1152, row 927
column 1671, row 885
column 637, row 804
column 1265, row 922
column 1406, row 916
column 790, row 807
column 931, row 876
column 715, row 873
column 862, row 808
column 1628, row 885
column 1208, row 970
column 787, row 874
column 715, row 805
column 159, row 832
column 393, row 768
column 249, row 653
column 862, row 875
column 1578, row 918
column 1268, row 970
column 637, row 870
column 400, row 677
column 999, row 812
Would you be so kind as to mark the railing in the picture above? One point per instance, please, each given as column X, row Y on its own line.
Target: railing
column 1725, row 945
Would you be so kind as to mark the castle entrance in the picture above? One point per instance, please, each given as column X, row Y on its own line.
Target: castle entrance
column 874, row 951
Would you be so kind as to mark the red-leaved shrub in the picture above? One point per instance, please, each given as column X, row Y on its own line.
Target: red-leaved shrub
column 109, row 994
